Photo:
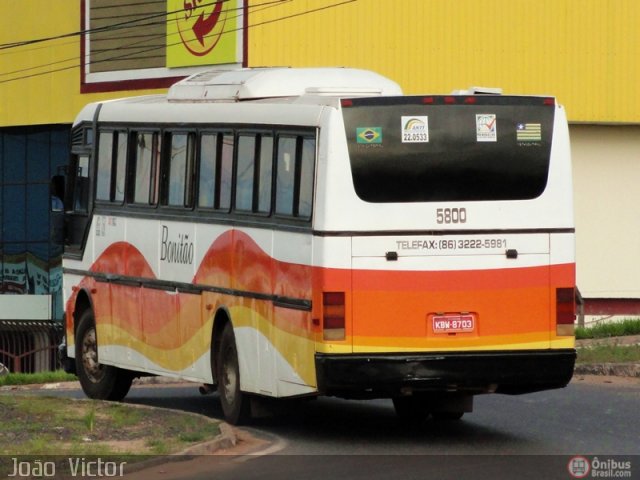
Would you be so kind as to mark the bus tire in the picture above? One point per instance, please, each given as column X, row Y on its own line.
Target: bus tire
column 411, row 410
column 101, row 382
column 235, row 403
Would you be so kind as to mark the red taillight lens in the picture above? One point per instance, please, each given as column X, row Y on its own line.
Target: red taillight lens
column 345, row 102
column 565, row 306
column 449, row 100
column 333, row 315
column 427, row 100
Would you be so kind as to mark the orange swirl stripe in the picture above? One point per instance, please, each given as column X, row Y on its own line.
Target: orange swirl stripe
column 167, row 321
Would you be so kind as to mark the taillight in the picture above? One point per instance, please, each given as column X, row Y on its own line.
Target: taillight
column 333, row 316
column 565, row 311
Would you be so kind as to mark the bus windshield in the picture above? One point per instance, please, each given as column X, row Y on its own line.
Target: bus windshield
column 428, row 149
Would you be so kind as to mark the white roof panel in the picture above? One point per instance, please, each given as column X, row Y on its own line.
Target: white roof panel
column 257, row 83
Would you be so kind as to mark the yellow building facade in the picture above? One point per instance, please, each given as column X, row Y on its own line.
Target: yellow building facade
column 585, row 52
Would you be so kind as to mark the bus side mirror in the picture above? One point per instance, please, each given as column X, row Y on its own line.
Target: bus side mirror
column 56, row 191
column 57, row 218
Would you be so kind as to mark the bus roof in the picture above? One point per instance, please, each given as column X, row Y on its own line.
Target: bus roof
column 259, row 83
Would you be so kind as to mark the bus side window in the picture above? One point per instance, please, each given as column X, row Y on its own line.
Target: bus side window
column 105, row 165
column 81, row 186
column 147, row 171
column 224, row 173
column 265, row 174
column 112, row 158
column 181, row 170
column 245, row 172
column 285, row 175
column 295, row 176
column 307, row 168
column 118, row 183
column 207, row 172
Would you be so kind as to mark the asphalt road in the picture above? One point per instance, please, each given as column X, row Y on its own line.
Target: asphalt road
column 584, row 418
column 528, row 436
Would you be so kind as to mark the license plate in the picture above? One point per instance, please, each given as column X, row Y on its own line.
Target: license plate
column 455, row 323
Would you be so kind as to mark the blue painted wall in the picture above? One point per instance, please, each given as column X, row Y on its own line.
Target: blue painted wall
column 30, row 251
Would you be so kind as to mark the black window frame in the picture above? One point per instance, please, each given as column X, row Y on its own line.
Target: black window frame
column 116, row 133
column 155, row 173
column 236, row 171
column 109, row 157
column 258, row 174
column 198, row 169
column 297, row 173
column 258, row 146
column 190, row 173
column 220, row 135
column 224, row 206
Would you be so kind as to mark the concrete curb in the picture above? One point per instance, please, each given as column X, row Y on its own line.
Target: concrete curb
column 614, row 369
column 225, row 440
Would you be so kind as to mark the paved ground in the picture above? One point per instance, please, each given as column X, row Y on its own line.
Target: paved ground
column 224, row 457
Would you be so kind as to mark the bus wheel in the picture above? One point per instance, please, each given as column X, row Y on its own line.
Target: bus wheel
column 102, row 382
column 235, row 403
column 413, row 409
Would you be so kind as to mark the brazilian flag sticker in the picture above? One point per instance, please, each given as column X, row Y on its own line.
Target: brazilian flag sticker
column 369, row 135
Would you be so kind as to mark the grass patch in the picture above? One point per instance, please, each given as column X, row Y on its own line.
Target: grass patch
column 32, row 378
column 609, row 354
column 191, row 437
column 629, row 326
column 122, row 415
column 37, row 425
column 157, row 446
column 90, row 418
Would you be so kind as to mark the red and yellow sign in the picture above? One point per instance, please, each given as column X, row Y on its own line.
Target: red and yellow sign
column 203, row 32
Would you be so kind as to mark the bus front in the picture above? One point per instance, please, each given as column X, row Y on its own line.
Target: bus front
column 444, row 229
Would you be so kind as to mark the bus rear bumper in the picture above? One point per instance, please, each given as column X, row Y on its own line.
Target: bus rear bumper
column 390, row 375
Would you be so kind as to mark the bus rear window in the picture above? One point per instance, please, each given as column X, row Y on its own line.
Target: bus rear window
column 412, row 149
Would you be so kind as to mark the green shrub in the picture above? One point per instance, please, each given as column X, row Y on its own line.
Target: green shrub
column 30, row 378
column 629, row 326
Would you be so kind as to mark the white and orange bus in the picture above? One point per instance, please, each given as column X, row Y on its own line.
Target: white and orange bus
column 301, row 232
